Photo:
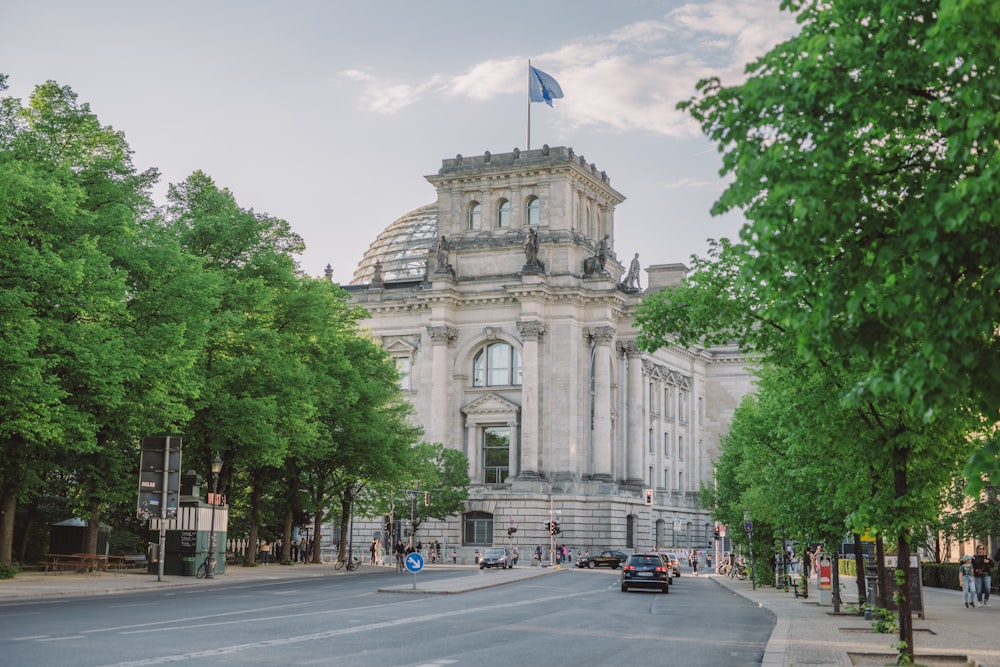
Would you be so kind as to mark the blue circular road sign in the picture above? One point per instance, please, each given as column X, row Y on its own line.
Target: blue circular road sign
column 414, row 562
column 748, row 526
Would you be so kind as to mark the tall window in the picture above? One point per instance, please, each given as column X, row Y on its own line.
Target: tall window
column 503, row 213
column 475, row 215
column 498, row 364
column 477, row 529
column 496, row 454
column 403, row 368
column 666, row 478
column 533, row 210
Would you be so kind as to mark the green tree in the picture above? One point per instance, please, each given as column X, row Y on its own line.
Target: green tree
column 870, row 225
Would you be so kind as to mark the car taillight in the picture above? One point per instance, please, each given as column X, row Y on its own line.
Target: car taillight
column 660, row 568
column 629, row 568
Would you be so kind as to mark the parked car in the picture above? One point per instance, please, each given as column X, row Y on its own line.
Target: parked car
column 675, row 563
column 645, row 571
column 496, row 557
column 610, row 558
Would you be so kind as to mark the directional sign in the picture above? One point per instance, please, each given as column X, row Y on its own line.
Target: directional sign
column 414, row 562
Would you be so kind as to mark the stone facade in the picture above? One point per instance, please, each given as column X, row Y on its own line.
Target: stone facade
column 524, row 357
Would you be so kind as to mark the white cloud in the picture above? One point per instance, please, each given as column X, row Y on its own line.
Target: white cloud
column 629, row 79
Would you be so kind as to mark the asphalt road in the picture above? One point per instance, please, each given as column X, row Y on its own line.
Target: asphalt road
column 574, row 617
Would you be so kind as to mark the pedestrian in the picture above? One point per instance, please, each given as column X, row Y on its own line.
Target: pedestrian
column 965, row 581
column 807, row 561
column 454, row 557
column 694, row 562
column 372, row 549
column 265, row 552
column 708, row 561
column 294, row 551
column 981, row 566
column 303, row 551
column 514, row 556
column 476, row 556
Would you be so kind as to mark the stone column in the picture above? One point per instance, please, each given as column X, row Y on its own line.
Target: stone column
column 474, row 451
column 513, row 465
column 602, row 337
column 530, row 333
column 633, row 413
column 441, row 336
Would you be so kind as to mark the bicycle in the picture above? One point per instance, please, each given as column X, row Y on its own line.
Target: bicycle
column 739, row 571
column 352, row 563
column 202, row 570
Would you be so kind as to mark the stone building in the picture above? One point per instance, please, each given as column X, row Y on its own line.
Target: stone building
column 509, row 313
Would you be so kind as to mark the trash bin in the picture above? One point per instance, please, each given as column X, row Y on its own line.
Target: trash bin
column 187, row 566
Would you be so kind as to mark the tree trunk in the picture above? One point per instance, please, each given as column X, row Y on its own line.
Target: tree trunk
column 903, row 561
column 345, row 523
column 256, row 502
column 29, row 521
column 315, row 555
column 859, row 576
column 884, row 590
column 286, row 534
column 93, row 525
column 905, row 605
column 8, row 508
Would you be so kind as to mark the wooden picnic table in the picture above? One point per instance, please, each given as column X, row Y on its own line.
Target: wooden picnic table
column 92, row 563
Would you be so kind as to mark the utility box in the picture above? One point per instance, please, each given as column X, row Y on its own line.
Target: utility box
column 187, row 537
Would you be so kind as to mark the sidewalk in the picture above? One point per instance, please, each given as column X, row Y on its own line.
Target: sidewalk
column 32, row 585
column 808, row 634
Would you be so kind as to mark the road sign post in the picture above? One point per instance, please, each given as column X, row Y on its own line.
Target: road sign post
column 414, row 562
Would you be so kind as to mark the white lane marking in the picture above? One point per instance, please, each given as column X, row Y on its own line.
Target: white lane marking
column 284, row 641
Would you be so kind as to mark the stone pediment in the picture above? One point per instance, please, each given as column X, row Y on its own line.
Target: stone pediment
column 491, row 405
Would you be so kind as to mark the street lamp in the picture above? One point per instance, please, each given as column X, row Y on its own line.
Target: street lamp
column 216, row 469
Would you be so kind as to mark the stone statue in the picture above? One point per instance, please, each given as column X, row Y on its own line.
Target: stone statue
column 377, row 273
column 632, row 278
column 531, row 247
column 602, row 251
column 442, row 254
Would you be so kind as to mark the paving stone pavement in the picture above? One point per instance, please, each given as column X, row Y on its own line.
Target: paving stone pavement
column 806, row 633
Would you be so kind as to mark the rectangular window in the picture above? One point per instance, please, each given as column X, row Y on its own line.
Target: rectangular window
column 652, row 441
column 499, row 365
column 666, row 478
column 652, row 478
column 701, row 411
column 666, row 444
column 496, row 454
column 403, row 368
column 680, row 448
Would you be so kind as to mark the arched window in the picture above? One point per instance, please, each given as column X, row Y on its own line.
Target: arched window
column 533, row 210
column 475, row 215
column 503, row 213
column 497, row 364
column 477, row 529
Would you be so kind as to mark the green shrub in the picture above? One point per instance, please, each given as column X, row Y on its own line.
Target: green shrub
column 8, row 571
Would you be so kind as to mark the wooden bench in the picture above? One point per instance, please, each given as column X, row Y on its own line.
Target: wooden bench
column 94, row 563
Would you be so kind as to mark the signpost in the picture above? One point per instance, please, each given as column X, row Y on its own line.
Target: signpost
column 414, row 562
column 159, row 486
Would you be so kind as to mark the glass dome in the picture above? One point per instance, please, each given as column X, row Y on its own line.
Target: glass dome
column 402, row 247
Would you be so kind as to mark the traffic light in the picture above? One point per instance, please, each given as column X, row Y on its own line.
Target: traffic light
column 511, row 531
column 649, row 496
column 716, row 532
column 555, row 528
column 387, row 525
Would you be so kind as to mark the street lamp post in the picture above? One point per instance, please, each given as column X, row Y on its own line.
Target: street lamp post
column 216, row 469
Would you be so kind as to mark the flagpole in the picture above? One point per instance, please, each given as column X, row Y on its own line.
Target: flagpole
column 529, row 104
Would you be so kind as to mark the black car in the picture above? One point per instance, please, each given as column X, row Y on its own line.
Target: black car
column 645, row 571
column 612, row 559
column 496, row 557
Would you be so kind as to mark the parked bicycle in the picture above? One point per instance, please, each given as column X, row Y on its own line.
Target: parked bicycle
column 351, row 563
column 202, row 570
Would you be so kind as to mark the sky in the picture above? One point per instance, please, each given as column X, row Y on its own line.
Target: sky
column 330, row 113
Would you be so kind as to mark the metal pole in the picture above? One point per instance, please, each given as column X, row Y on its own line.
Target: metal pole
column 210, row 565
column 163, row 508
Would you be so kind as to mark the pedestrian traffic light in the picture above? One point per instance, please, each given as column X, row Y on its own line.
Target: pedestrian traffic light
column 716, row 532
column 555, row 528
column 649, row 496
column 511, row 530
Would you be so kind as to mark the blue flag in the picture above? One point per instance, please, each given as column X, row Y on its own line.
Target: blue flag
column 542, row 87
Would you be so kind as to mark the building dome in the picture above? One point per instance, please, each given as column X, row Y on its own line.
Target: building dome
column 402, row 248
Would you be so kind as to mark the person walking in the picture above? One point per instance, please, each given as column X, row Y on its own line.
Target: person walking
column 981, row 566
column 965, row 581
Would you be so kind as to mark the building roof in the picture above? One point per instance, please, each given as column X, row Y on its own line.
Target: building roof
column 401, row 247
